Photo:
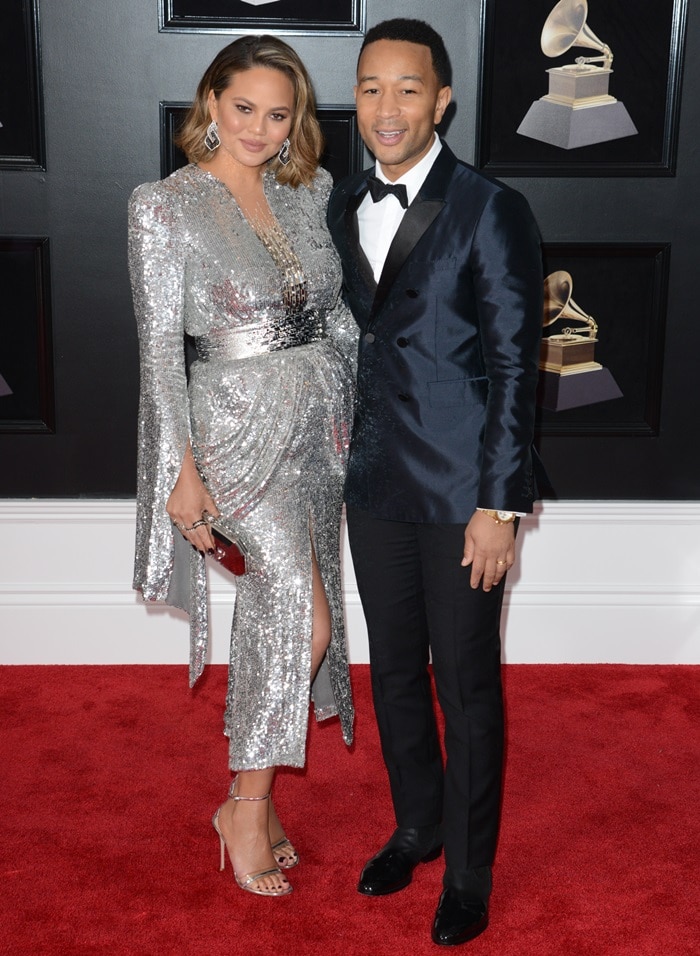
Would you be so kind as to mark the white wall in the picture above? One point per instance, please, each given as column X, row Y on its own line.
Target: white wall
column 595, row 582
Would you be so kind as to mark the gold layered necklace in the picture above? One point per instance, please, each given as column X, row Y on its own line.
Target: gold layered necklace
column 254, row 207
column 273, row 237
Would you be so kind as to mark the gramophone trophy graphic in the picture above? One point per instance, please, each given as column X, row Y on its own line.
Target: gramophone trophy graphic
column 577, row 110
column 569, row 375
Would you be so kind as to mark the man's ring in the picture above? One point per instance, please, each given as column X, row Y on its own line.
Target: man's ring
column 500, row 562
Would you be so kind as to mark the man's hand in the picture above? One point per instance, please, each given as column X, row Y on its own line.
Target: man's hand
column 490, row 549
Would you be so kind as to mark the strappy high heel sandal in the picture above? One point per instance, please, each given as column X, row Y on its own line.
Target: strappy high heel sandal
column 284, row 853
column 248, row 881
column 283, row 850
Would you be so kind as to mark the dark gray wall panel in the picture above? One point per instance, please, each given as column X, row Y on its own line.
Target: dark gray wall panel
column 106, row 68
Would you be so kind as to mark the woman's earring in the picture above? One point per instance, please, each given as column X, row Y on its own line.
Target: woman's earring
column 283, row 154
column 211, row 139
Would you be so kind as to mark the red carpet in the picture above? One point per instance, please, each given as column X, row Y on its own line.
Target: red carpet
column 110, row 776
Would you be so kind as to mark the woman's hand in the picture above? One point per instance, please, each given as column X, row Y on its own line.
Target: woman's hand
column 188, row 502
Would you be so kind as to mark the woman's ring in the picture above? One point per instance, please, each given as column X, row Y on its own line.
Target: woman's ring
column 197, row 524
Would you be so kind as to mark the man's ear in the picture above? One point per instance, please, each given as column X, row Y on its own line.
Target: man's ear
column 443, row 101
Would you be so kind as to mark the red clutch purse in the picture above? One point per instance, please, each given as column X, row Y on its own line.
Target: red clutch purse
column 229, row 552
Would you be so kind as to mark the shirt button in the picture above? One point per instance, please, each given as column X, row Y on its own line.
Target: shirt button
column 402, row 342
column 369, row 337
column 412, row 293
column 404, row 398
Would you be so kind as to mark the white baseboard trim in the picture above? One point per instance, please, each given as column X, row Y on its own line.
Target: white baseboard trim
column 595, row 582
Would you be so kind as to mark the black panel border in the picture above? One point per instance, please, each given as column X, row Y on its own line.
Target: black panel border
column 20, row 73
column 206, row 16
column 36, row 251
column 526, row 157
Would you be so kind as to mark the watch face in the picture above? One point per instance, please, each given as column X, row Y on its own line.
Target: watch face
column 505, row 515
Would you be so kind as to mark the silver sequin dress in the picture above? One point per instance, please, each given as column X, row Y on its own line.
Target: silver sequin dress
column 268, row 419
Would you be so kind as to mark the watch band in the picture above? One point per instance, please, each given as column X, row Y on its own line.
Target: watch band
column 500, row 517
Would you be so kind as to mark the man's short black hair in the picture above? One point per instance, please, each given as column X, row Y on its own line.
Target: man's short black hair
column 414, row 31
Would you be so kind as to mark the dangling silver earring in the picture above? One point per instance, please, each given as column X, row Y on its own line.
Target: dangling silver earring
column 283, row 154
column 211, row 138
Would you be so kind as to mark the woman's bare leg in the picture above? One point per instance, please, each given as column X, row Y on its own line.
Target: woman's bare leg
column 245, row 828
column 321, row 619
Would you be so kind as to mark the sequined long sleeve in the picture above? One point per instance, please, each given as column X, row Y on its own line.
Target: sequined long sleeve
column 164, row 569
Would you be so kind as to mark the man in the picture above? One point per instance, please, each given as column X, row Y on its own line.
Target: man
column 445, row 282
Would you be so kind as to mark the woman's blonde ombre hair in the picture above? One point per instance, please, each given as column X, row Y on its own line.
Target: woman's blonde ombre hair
column 268, row 51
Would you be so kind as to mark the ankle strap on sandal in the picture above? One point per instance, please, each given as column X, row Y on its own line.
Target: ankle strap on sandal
column 233, row 796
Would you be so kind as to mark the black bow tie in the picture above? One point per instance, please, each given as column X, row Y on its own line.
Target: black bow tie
column 378, row 190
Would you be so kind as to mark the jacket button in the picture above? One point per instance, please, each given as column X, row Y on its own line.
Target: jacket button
column 402, row 342
column 369, row 337
column 412, row 293
column 404, row 398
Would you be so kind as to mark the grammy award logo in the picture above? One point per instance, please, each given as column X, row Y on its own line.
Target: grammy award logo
column 569, row 375
column 578, row 110
column 570, row 350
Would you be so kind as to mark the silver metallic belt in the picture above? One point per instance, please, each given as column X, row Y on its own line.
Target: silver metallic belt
column 291, row 330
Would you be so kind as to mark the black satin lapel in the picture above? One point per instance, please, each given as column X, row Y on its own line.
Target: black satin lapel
column 419, row 216
column 352, row 234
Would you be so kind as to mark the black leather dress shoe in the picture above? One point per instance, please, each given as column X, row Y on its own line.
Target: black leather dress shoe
column 392, row 868
column 458, row 920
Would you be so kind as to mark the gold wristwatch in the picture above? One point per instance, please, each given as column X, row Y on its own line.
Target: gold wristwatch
column 500, row 517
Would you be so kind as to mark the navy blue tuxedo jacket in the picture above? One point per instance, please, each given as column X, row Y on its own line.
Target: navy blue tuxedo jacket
column 449, row 348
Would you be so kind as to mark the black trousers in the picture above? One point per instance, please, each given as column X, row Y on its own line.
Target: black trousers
column 417, row 600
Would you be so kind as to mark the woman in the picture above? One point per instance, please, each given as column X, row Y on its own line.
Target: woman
column 233, row 250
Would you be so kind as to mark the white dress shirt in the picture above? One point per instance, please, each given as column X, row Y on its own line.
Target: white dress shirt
column 378, row 221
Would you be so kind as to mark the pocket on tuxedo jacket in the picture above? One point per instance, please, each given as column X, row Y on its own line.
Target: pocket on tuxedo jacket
column 458, row 391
